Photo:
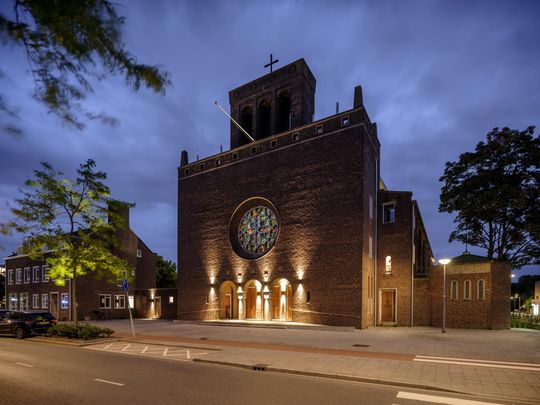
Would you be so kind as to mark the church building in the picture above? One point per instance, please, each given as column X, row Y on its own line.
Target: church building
column 294, row 222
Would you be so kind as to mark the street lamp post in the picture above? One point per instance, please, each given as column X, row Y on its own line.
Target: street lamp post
column 444, row 262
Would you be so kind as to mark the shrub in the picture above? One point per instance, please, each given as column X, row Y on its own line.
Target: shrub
column 84, row 331
column 525, row 321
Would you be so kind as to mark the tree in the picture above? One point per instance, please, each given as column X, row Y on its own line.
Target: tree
column 495, row 192
column 64, row 42
column 525, row 285
column 75, row 220
column 165, row 273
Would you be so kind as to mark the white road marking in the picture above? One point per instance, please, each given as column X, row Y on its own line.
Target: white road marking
column 25, row 365
column 144, row 350
column 480, row 361
column 165, row 351
column 108, row 382
column 440, row 400
column 463, row 363
column 109, row 345
column 188, row 355
column 125, row 348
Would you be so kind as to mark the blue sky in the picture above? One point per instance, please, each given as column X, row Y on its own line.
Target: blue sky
column 436, row 75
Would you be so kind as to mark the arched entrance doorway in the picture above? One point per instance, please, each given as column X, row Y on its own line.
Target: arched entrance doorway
column 282, row 300
column 254, row 305
column 228, row 299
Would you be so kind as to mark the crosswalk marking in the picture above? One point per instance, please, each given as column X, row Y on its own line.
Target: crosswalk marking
column 150, row 350
column 440, row 400
column 531, row 367
column 506, row 363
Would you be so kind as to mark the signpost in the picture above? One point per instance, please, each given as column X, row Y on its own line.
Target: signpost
column 125, row 288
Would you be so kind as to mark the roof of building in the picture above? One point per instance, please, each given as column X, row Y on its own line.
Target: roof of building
column 466, row 257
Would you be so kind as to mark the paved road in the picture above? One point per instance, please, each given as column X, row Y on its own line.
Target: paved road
column 32, row 372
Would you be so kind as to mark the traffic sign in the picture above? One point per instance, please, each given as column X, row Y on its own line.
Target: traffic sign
column 125, row 285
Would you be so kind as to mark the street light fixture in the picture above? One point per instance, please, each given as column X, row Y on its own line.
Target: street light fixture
column 444, row 262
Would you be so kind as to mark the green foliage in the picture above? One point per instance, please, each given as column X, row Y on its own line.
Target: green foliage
column 65, row 41
column 165, row 273
column 525, row 321
column 495, row 192
column 75, row 221
column 84, row 331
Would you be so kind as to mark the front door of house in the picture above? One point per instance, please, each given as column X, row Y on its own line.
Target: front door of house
column 157, row 307
column 388, row 309
column 251, row 303
column 54, row 304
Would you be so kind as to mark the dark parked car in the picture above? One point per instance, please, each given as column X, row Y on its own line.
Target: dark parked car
column 25, row 323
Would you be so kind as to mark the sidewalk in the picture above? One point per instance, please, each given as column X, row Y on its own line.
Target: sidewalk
column 491, row 364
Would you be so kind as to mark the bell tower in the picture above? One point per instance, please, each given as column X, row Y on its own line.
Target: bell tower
column 276, row 102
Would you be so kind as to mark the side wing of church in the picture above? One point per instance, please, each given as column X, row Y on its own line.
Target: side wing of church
column 297, row 225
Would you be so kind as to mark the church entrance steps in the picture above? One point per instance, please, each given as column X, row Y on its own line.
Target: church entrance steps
column 276, row 325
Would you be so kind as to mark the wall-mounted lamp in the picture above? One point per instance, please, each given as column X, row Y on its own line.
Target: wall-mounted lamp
column 265, row 275
column 266, row 292
column 212, row 280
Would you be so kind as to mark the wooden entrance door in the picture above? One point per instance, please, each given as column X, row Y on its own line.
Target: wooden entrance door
column 157, row 307
column 388, row 310
column 54, row 305
column 276, row 297
column 251, row 303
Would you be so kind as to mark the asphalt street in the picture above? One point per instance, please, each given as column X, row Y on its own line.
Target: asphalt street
column 39, row 373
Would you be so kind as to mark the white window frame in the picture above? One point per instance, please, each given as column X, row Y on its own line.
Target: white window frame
column 454, row 290
column 139, row 252
column 64, row 301
column 131, row 301
column 23, row 301
column 393, row 219
column 388, row 265
column 27, row 275
column 13, row 302
column 10, row 277
column 35, row 301
column 44, row 273
column 45, row 301
column 467, row 287
column 117, row 300
column 18, row 276
column 171, row 299
column 35, row 274
column 481, row 297
column 107, row 299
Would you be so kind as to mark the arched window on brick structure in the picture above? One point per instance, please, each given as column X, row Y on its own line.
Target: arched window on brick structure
column 283, row 112
column 388, row 265
column 246, row 122
column 454, row 290
column 264, row 119
column 481, row 290
column 467, row 290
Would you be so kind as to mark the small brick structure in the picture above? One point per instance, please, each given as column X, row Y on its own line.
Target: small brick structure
column 298, row 224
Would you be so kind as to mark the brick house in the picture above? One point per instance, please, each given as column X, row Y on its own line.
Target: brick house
column 297, row 224
column 28, row 285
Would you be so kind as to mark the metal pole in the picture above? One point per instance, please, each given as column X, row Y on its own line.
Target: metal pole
column 444, row 300
column 130, row 316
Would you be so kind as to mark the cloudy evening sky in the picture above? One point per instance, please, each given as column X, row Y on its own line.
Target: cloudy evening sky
column 436, row 76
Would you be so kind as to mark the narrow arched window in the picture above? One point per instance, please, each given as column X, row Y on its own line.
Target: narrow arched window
column 264, row 119
column 467, row 290
column 481, row 290
column 388, row 265
column 454, row 290
column 246, row 122
column 283, row 112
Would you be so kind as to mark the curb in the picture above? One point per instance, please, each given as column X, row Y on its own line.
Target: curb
column 345, row 377
column 71, row 342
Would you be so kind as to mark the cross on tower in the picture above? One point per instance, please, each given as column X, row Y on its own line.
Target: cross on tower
column 271, row 63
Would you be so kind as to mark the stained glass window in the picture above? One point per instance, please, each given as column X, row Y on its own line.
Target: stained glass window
column 258, row 230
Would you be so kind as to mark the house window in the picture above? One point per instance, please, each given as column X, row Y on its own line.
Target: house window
column 370, row 247
column 389, row 213
column 370, row 207
column 104, row 301
column 295, row 137
column 119, row 301
column 235, row 156
column 388, row 265
column 27, row 275
column 45, row 301
column 319, row 129
column 35, row 301
column 467, row 290
column 36, row 274
column 481, row 290
column 454, row 290
column 64, row 301
column 345, row 121
column 13, row 301
column 44, row 273
column 131, row 301
column 18, row 276
column 253, row 150
column 171, row 299
column 10, row 277
column 139, row 253
column 23, row 301
column 273, row 143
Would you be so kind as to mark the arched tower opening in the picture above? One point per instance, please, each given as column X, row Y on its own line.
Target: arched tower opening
column 264, row 119
column 246, row 122
column 283, row 112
